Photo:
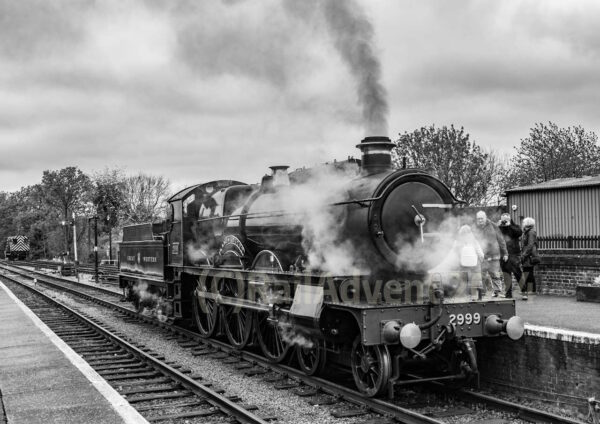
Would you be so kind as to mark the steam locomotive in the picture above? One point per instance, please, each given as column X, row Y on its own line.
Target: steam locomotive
column 16, row 248
column 347, row 268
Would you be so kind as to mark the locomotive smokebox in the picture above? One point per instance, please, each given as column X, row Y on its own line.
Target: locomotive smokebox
column 376, row 154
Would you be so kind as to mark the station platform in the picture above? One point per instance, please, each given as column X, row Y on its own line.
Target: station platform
column 563, row 312
column 42, row 380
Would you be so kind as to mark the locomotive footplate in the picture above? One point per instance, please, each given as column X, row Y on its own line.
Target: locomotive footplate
column 382, row 324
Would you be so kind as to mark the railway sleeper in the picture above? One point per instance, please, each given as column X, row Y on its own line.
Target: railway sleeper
column 96, row 349
column 132, row 376
column 100, row 369
column 104, row 365
column 109, row 357
column 126, row 371
column 172, row 386
column 160, row 397
column 191, row 414
column 86, row 343
column 106, row 354
column 162, row 380
column 116, row 361
column 185, row 404
column 73, row 333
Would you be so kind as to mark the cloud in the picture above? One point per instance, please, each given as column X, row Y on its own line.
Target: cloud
column 494, row 67
column 36, row 28
column 201, row 90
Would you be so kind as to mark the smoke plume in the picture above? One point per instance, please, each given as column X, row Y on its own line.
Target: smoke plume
column 280, row 52
column 353, row 38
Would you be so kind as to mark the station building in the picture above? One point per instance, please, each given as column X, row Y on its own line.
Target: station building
column 567, row 216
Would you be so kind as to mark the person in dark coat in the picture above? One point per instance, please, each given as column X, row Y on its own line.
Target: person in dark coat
column 529, row 256
column 494, row 250
column 512, row 234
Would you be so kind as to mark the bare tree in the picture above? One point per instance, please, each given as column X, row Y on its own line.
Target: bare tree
column 144, row 198
column 448, row 153
column 551, row 152
column 498, row 167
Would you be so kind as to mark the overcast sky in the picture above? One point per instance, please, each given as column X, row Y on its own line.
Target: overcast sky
column 197, row 90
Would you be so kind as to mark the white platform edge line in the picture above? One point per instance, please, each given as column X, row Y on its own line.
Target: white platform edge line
column 562, row 334
column 119, row 404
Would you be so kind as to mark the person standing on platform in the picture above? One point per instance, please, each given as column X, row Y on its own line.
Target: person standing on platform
column 512, row 235
column 494, row 249
column 529, row 256
column 470, row 257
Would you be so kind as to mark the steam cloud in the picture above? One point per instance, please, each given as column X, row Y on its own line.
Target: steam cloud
column 309, row 205
column 150, row 303
column 432, row 254
column 293, row 337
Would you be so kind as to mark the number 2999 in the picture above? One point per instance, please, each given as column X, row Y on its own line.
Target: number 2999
column 466, row 319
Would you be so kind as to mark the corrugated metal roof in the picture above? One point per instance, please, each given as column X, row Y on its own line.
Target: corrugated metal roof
column 560, row 183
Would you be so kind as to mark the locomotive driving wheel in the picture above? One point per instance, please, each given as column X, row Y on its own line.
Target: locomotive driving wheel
column 237, row 320
column 371, row 367
column 270, row 338
column 268, row 332
column 311, row 358
column 206, row 312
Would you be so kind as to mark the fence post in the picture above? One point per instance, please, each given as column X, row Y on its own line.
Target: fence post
column 570, row 242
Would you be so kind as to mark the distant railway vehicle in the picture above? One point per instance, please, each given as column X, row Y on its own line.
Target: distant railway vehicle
column 17, row 248
column 356, row 270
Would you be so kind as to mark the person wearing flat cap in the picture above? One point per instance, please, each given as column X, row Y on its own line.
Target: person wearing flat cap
column 512, row 235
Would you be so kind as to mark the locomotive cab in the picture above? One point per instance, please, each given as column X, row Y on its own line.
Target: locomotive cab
column 198, row 216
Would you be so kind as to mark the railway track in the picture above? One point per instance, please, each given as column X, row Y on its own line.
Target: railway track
column 64, row 283
column 467, row 405
column 105, row 272
column 160, row 391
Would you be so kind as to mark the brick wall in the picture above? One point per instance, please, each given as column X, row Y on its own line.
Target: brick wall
column 555, row 365
column 561, row 270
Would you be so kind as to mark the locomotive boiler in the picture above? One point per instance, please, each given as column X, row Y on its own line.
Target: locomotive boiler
column 344, row 268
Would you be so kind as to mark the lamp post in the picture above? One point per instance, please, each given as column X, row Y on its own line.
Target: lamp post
column 95, row 218
column 109, row 239
column 74, row 240
column 91, row 209
column 65, row 224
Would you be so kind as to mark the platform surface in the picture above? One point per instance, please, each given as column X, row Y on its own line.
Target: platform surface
column 43, row 381
column 563, row 312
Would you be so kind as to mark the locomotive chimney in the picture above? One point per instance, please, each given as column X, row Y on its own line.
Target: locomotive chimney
column 376, row 154
column 280, row 175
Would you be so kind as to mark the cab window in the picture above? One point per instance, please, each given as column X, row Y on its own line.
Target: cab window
column 235, row 198
column 176, row 211
column 212, row 206
column 189, row 207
